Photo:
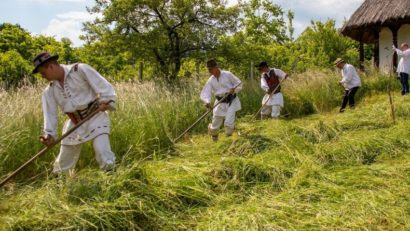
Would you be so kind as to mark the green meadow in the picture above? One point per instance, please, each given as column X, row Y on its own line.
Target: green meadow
column 313, row 169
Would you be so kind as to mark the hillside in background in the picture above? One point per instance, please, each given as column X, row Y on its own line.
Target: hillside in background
column 316, row 169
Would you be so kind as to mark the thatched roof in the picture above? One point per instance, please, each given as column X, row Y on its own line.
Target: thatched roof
column 373, row 14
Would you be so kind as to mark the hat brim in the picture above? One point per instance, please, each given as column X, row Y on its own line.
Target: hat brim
column 339, row 62
column 54, row 57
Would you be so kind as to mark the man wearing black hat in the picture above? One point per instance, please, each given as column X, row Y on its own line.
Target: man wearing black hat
column 270, row 83
column 350, row 81
column 77, row 90
column 221, row 83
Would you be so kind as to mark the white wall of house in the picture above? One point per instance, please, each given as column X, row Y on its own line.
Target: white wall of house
column 386, row 41
column 385, row 49
column 403, row 35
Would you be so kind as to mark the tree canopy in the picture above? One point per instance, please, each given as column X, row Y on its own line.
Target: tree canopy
column 170, row 36
column 165, row 32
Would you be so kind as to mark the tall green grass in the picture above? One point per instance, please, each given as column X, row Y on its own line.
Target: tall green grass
column 326, row 171
column 330, row 171
column 150, row 116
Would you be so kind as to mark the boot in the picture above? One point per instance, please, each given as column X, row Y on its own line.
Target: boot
column 215, row 138
column 229, row 131
column 265, row 117
column 213, row 133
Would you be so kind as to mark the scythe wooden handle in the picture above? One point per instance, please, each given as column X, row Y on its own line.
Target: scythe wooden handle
column 45, row 149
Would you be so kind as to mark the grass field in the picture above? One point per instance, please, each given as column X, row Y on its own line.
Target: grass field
column 315, row 170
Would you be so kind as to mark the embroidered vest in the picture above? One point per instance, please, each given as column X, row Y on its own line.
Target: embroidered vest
column 272, row 80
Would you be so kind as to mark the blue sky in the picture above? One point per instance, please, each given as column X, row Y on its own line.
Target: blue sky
column 59, row 18
column 63, row 18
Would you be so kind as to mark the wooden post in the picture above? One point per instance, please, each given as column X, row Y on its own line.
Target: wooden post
column 141, row 71
column 361, row 51
column 252, row 70
column 361, row 55
column 394, row 30
column 376, row 48
column 197, row 66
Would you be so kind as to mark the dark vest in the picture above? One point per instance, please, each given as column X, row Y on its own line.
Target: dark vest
column 272, row 80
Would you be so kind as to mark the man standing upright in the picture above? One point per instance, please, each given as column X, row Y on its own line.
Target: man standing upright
column 270, row 83
column 403, row 69
column 350, row 82
column 77, row 90
column 221, row 83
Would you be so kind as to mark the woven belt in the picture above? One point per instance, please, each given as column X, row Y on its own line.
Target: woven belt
column 79, row 115
column 228, row 99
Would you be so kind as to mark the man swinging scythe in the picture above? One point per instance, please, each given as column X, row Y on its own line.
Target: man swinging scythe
column 78, row 90
column 271, row 79
column 224, row 85
column 85, row 96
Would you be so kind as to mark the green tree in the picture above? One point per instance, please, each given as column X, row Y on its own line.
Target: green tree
column 13, row 69
column 17, row 49
column 64, row 48
column 67, row 51
column 262, row 26
column 291, row 29
column 320, row 44
column 109, row 59
column 164, row 32
column 13, row 37
column 263, row 22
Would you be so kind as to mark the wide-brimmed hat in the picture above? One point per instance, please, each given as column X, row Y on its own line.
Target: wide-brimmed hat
column 338, row 61
column 262, row 64
column 41, row 59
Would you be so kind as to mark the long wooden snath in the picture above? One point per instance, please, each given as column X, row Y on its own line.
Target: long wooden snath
column 45, row 149
column 392, row 109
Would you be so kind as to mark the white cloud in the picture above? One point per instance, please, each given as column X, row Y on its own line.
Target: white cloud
column 306, row 11
column 68, row 25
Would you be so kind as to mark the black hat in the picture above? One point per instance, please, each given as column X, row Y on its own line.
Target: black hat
column 262, row 64
column 41, row 59
column 211, row 63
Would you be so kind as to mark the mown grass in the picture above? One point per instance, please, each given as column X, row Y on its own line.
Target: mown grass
column 324, row 171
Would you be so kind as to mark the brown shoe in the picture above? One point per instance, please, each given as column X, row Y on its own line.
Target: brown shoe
column 215, row 138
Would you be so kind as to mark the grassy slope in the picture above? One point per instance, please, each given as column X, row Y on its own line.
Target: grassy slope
column 325, row 172
column 330, row 171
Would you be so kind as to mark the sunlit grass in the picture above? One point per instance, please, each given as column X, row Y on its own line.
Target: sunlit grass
column 325, row 171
